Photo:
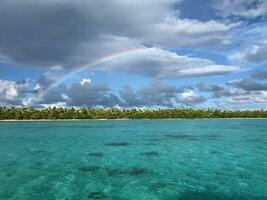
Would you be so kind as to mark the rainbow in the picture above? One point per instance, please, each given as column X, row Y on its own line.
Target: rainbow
column 87, row 65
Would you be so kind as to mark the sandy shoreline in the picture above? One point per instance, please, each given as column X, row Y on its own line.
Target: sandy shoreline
column 73, row 120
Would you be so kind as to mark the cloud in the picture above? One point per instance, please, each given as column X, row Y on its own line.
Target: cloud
column 241, row 8
column 248, row 85
column 257, row 54
column 260, row 74
column 91, row 95
column 252, row 53
column 251, row 97
column 204, row 87
column 69, row 33
column 190, row 98
column 14, row 92
column 51, row 75
column 175, row 32
column 237, row 91
column 261, row 96
column 77, row 94
column 85, row 81
column 156, row 94
column 250, row 44
column 163, row 64
column 54, row 96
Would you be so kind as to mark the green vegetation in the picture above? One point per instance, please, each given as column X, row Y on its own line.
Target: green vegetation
column 114, row 113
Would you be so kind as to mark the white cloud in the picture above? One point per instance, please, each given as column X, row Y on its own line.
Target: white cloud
column 158, row 63
column 253, row 54
column 251, row 97
column 85, row 81
column 250, row 45
column 57, row 105
column 241, row 8
column 12, row 93
column 8, row 90
column 191, row 98
column 175, row 32
column 261, row 96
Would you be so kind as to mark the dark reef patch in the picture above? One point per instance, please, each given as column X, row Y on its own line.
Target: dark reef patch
column 192, row 137
column 150, row 144
column 153, row 140
column 155, row 187
column 117, row 144
column 96, row 154
column 116, row 172
column 97, row 195
column 133, row 171
column 151, row 153
column 136, row 171
column 182, row 137
column 215, row 152
column 211, row 136
column 38, row 151
column 89, row 168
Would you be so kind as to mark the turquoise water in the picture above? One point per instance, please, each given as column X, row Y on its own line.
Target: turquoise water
column 128, row 160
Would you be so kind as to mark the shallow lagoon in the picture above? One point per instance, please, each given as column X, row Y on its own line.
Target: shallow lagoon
column 127, row 160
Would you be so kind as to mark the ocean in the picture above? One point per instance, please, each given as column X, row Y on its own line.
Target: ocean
column 134, row 159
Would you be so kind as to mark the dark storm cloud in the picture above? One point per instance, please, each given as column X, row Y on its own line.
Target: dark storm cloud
column 53, row 96
column 260, row 74
column 248, row 85
column 156, row 94
column 41, row 34
column 159, row 94
column 209, row 87
column 65, row 32
column 78, row 94
column 237, row 91
column 56, row 32
column 50, row 76
column 217, row 91
column 91, row 95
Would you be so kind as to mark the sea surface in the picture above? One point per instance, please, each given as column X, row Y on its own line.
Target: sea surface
column 134, row 160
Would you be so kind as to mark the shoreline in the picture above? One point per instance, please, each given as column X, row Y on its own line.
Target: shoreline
column 122, row 119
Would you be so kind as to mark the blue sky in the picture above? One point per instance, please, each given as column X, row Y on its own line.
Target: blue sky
column 182, row 53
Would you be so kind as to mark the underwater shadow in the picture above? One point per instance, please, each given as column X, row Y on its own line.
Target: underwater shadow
column 98, row 195
column 89, row 169
column 117, row 144
column 132, row 171
column 96, row 154
column 150, row 153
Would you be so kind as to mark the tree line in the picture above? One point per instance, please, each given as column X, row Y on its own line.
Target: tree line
column 115, row 113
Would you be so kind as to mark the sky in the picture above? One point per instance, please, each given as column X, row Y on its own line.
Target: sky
column 134, row 54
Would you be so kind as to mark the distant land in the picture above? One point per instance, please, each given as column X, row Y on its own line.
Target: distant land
column 54, row 113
